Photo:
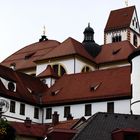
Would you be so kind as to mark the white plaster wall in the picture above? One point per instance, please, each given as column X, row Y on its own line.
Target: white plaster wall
column 131, row 25
column 68, row 64
column 29, row 112
column 80, row 64
column 109, row 36
column 135, row 80
column 78, row 110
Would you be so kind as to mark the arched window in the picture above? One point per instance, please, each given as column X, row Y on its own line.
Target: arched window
column 116, row 38
column 86, row 69
column 59, row 69
column 135, row 40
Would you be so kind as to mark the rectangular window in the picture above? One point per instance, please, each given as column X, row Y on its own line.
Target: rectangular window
column 12, row 106
column 66, row 111
column 36, row 113
column 22, row 109
column 48, row 113
column 110, row 107
column 88, row 110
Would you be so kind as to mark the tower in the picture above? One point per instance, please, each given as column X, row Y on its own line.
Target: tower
column 89, row 44
column 123, row 25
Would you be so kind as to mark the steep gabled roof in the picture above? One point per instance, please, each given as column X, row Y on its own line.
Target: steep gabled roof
column 91, row 86
column 25, row 57
column 48, row 72
column 69, row 47
column 101, row 125
column 120, row 18
column 112, row 52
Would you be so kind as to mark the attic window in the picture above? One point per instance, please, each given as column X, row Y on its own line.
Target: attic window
column 28, row 56
column 94, row 87
column 11, row 86
column 116, row 51
column 29, row 90
column 53, row 93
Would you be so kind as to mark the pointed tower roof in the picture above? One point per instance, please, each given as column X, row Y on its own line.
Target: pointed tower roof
column 48, row 72
column 120, row 18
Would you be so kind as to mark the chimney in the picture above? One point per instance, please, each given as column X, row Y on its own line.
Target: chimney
column 69, row 117
column 28, row 122
column 55, row 118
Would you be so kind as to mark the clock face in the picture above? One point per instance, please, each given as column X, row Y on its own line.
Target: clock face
column 4, row 105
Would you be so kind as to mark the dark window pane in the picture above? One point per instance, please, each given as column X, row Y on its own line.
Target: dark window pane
column 22, row 109
column 48, row 113
column 55, row 68
column 66, row 111
column 12, row 106
column 110, row 107
column 88, row 110
column 36, row 112
column 62, row 71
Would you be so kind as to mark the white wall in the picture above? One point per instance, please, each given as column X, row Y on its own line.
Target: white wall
column 68, row 64
column 109, row 35
column 135, row 80
column 29, row 112
column 78, row 110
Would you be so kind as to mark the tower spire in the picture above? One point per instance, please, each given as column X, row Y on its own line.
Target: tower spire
column 43, row 37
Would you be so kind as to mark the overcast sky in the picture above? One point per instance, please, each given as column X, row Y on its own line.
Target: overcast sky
column 22, row 21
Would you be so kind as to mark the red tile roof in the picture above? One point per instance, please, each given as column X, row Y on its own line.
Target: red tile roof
column 69, row 47
column 28, row 88
column 33, row 130
column 25, row 57
column 48, row 72
column 93, row 86
column 114, row 52
column 120, row 18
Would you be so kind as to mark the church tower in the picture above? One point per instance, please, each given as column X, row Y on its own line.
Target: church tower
column 123, row 25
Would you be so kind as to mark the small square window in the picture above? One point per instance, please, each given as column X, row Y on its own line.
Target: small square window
column 48, row 113
column 12, row 106
column 88, row 110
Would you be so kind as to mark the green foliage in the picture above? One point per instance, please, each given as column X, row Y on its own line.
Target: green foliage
column 7, row 132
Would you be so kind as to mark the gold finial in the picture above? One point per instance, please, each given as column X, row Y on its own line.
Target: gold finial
column 126, row 3
column 44, row 30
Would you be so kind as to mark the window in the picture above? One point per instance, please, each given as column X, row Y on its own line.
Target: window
column 88, row 110
column 117, row 38
column 48, row 113
column 66, row 111
column 135, row 40
column 86, row 69
column 131, row 137
column 22, row 109
column 58, row 69
column 12, row 106
column 36, row 113
column 110, row 107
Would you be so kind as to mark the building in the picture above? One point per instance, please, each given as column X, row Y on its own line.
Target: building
column 73, row 78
